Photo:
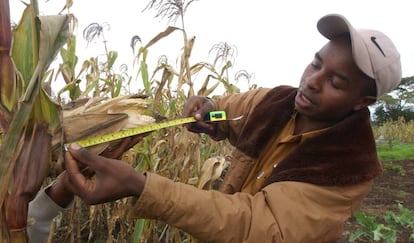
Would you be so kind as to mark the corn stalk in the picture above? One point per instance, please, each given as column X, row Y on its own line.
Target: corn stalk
column 31, row 117
column 7, row 83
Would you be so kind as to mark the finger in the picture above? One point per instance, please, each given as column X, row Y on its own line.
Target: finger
column 73, row 179
column 87, row 172
column 201, row 127
column 125, row 144
column 137, row 139
column 120, row 149
column 191, row 106
column 85, row 157
column 208, row 106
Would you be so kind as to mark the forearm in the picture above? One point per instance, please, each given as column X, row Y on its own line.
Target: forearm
column 271, row 215
column 170, row 202
column 59, row 194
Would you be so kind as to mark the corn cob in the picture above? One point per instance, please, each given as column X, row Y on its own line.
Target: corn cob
column 88, row 118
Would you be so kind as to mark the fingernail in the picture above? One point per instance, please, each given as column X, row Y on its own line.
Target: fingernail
column 75, row 146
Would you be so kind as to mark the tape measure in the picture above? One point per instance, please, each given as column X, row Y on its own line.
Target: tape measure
column 213, row 116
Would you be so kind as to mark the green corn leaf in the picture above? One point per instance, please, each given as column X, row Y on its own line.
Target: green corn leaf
column 48, row 33
column 112, row 56
column 138, row 229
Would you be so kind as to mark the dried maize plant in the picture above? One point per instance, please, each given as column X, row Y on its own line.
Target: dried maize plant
column 87, row 118
column 104, row 80
column 29, row 117
column 31, row 121
column 178, row 155
column 173, row 152
column 101, row 80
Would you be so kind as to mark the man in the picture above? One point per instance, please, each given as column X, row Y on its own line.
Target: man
column 305, row 157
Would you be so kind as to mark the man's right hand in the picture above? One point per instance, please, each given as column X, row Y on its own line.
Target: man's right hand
column 114, row 179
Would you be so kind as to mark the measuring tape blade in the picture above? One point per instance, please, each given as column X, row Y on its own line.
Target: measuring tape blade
column 210, row 117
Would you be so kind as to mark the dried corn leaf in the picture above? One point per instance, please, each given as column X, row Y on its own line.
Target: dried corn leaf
column 211, row 171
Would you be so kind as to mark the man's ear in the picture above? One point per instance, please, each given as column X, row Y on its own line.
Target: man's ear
column 365, row 102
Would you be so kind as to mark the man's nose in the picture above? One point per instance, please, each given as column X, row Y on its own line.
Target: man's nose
column 315, row 81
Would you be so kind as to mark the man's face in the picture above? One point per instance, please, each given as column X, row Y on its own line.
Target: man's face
column 331, row 85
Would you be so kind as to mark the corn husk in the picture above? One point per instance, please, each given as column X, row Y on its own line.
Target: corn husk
column 211, row 171
column 87, row 118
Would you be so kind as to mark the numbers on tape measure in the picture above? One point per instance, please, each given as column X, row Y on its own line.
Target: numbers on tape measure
column 212, row 117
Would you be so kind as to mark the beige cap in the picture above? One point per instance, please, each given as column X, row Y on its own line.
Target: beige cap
column 373, row 52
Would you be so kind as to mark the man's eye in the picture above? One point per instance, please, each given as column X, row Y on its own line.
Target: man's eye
column 336, row 83
column 315, row 65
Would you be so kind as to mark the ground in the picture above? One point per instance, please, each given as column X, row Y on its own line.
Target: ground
column 390, row 188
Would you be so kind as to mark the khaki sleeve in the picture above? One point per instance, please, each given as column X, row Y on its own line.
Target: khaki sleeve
column 282, row 212
column 237, row 105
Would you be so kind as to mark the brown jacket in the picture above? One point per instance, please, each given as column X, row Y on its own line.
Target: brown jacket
column 306, row 199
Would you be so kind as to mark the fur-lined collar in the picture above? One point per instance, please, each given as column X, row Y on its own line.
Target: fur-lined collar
column 344, row 154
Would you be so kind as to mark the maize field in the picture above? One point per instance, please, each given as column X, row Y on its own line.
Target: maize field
column 95, row 100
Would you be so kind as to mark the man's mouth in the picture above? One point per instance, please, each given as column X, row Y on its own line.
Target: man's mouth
column 305, row 98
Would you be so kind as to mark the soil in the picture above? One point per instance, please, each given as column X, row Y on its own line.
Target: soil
column 395, row 185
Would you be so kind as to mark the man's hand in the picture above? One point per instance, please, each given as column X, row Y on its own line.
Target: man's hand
column 113, row 179
column 62, row 196
column 198, row 107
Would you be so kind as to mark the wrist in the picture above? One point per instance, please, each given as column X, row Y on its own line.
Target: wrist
column 59, row 194
column 138, row 184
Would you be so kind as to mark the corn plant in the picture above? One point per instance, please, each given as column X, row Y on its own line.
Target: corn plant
column 174, row 152
column 29, row 117
column 399, row 130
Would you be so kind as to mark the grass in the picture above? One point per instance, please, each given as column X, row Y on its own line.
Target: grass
column 397, row 151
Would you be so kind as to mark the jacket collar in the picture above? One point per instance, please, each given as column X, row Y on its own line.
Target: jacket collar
column 344, row 154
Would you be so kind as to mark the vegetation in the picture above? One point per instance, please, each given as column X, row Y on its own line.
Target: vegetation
column 393, row 132
column 174, row 153
column 394, row 223
column 372, row 228
column 28, row 116
column 396, row 152
column 396, row 105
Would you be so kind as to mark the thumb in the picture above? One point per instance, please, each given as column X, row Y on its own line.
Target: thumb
column 207, row 106
column 202, row 112
column 83, row 156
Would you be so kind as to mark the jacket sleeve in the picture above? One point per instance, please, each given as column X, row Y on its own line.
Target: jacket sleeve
column 281, row 212
column 236, row 105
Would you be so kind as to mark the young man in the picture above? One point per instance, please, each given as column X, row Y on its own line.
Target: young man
column 304, row 160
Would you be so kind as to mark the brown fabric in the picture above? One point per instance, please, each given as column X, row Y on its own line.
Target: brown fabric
column 281, row 212
column 240, row 167
column 287, row 211
column 343, row 155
